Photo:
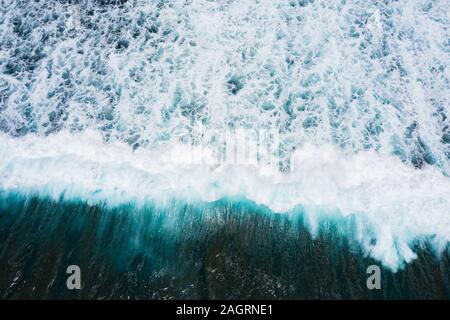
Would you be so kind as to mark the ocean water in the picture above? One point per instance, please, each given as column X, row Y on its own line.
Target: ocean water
column 224, row 149
column 227, row 249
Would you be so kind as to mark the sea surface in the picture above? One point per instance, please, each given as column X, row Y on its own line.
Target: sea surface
column 224, row 149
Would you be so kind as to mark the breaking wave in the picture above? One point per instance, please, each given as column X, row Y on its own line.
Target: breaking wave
column 100, row 100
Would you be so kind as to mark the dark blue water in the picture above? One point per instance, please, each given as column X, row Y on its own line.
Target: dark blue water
column 223, row 250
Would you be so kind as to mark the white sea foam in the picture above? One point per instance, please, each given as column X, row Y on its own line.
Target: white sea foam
column 359, row 74
column 393, row 203
column 97, row 102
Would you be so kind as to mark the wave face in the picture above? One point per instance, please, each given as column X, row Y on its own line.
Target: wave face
column 393, row 204
column 102, row 101
column 220, row 250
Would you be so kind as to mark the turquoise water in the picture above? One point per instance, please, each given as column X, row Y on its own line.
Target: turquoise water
column 224, row 250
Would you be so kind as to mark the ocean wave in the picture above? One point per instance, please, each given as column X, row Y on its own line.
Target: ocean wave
column 393, row 204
